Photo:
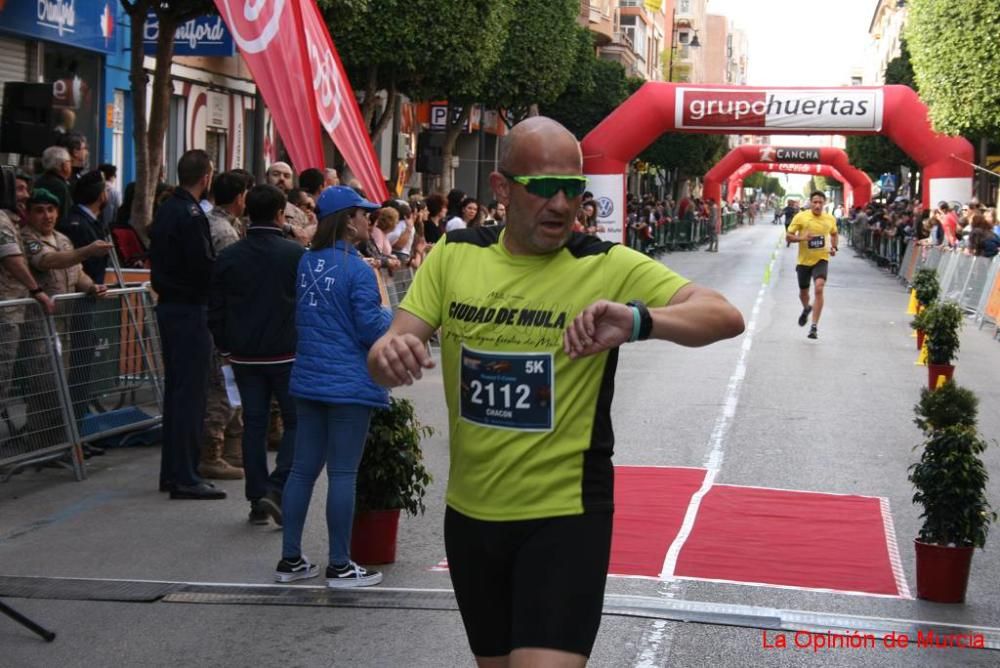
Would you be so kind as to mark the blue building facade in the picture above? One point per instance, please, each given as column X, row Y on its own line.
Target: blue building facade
column 74, row 45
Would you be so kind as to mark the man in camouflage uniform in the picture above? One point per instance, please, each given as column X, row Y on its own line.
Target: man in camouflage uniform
column 16, row 282
column 57, row 267
column 280, row 175
column 221, row 451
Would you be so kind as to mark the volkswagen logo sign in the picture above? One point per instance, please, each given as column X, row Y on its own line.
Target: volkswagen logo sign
column 605, row 207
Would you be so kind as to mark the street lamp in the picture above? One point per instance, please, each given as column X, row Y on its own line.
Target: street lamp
column 694, row 44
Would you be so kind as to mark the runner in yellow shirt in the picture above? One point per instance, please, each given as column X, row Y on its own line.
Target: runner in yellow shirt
column 816, row 233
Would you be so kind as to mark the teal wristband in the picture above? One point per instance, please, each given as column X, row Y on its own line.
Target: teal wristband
column 636, row 324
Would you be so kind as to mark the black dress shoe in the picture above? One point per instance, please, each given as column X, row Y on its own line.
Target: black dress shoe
column 203, row 491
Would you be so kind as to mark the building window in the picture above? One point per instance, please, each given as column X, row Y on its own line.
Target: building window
column 216, row 147
column 176, row 140
column 249, row 157
column 683, row 37
column 684, row 7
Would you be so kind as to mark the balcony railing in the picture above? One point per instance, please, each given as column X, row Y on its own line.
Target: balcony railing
column 596, row 10
column 623, row 39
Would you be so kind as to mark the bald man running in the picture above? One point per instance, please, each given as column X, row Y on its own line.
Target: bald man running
column 532, row 315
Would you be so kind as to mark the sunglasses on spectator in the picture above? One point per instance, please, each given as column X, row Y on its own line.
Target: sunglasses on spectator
column 548, row 186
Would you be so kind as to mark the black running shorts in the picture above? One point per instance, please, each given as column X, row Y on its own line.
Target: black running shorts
column 529, row 583
column 813, row 272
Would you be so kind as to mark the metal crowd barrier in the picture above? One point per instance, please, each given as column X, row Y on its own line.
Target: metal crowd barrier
column 973, row 282
column 90, row 371
column 885, row 249
column 677, row 235
column 396, row 284
column 988, row 308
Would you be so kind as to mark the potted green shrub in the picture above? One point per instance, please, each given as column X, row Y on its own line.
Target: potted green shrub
column 391, row 477
column 925, row 290
column 950, row 481
column 942, row 322
column 926, row 287
column 917, row 325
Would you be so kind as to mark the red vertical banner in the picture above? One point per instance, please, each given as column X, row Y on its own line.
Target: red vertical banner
column 336, row 105
column 279, row 69
column 303, row 83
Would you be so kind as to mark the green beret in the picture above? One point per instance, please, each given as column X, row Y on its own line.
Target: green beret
column 43, row 196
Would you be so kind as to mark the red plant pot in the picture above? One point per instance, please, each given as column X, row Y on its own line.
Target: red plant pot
column 920, row 339
column 935, row 371
column 942, row 572
column 373, row 538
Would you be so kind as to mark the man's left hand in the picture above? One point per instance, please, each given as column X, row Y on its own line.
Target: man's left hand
column 98, row 290
column 601, row 326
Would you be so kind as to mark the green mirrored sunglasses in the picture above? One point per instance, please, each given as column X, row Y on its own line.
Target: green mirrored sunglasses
column 547, row 186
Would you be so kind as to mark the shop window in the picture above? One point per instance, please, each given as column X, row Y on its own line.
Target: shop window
column 215, row 146
column 176, row 135
column 249, row 140
column 76, row 91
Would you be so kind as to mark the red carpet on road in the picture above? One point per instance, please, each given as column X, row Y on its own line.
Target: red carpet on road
column 753, row 535
column 650, row 503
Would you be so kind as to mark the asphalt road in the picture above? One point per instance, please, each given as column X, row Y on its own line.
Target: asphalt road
column 769, row 409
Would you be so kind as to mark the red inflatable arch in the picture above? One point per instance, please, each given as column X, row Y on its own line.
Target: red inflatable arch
column 659, row 107
column 778, row 155
column 735, row 182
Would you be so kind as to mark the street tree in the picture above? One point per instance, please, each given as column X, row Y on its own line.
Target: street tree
column 378, row 55
column 956, row 62
column 535, row 65
column 148, row 135
column 772, row 186
column 426, row 49
column 755, row 180
column 815, row 183
column 596, row 87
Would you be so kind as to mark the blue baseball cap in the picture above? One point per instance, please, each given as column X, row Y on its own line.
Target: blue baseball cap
column 338, row 198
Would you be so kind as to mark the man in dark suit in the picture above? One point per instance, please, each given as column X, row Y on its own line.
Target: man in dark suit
column 182, row 258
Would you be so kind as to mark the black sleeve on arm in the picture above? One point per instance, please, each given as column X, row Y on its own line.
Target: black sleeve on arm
column 198, row 250
column 217, row 307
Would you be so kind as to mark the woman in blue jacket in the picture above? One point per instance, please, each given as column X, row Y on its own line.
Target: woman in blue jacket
column 338, row 317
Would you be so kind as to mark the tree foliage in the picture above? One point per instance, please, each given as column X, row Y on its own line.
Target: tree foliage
column 534, row 65
column 877, row 154
column 690, row 154
column 148, row 133
column 956, row 62
column 429, row 50
column 596, row 87
column 813, row 184
column 769, row 185
column 773, row 187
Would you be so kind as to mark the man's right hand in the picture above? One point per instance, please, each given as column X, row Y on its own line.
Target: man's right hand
column 97, row 248
column 46, row 302
column 398, row 359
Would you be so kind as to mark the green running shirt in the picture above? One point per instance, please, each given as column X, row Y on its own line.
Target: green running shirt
column 529, row 428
